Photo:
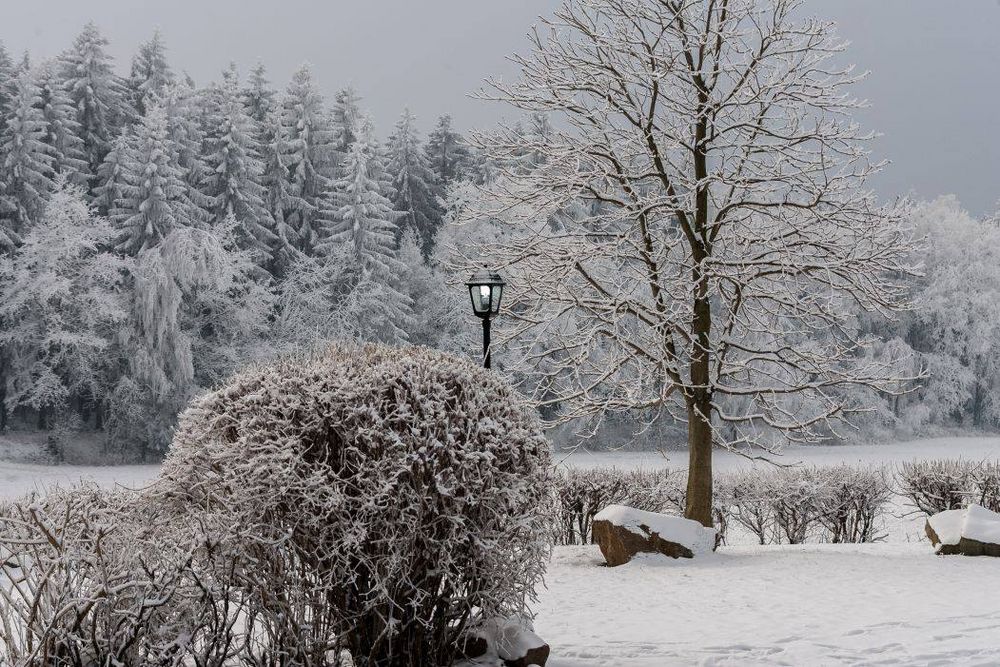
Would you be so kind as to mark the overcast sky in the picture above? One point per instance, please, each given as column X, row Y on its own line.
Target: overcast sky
column 935, row 64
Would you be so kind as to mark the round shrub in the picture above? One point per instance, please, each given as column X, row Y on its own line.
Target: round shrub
column 381, row 499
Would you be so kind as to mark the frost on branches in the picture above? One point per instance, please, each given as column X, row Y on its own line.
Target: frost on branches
column 63, row 305
column 378, row 500
column 727, row 237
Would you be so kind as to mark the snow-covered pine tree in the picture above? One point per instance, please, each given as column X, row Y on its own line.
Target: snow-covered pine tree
column 62, row 131
column 278, row 200
column 234, row 173
column 416, row 191
column 258, row 95
column 27, row 167
column 110, row 180
column 310, row 155
column 62, row 304
column 364, row 217
column 347, row 119
column 23, row 65
column 185, row 107
column 447, row 152
column 96, row 92
column 7, row 79
column 150, row 75
column 154, row 197
column 362, row 227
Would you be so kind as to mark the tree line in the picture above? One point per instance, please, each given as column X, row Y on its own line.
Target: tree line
column 157, row 234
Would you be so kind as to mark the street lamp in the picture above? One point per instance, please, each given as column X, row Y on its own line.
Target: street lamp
column 486, row 290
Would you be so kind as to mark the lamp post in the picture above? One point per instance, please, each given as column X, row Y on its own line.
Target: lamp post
column 486, row 290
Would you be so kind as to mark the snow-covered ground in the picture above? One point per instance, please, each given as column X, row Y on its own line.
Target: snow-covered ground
column 971, row 448
column 880, row 604
column 18, row 479
column 892, row 603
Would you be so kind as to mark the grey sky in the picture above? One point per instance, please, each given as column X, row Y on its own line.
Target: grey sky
column 935, row 84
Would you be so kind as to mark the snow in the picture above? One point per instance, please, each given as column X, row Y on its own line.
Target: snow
column 969, row 448
column 890, row 603
column 18, row 479
column 948, row 525
column 974, row 523
column 788, row 605
column 687, row 533
column 981, row 525
column 509, row 639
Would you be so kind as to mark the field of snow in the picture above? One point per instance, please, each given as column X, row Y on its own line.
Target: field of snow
column 18, row 479
column 881, row 604
column 892, row 603
column 970, row 448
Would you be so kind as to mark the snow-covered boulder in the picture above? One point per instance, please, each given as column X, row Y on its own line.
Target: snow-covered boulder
column 622, row 532
column 973, row 531
column 518, row 645
column 510, row 642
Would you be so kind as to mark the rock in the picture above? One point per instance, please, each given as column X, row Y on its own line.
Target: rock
column 534, row 656
column 622, row 532
column 973, row 531
column 944, row 530
column 519, row 646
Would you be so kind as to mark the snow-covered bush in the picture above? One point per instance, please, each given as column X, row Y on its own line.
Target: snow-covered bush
column 580, row 495
column 796, row 501
column 988, row 486
column 946, row 484
column 750, row 502
column 377, row 499
column 790, row 505
column 77, row 588
column 852, row 502
column 938, row 485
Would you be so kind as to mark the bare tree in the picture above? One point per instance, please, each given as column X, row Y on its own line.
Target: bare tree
column 726, row 242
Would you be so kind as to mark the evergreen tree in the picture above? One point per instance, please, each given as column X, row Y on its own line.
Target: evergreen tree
column 154, row 198
column 185, row 108
column 363, row 217
column 415, row 189
column 447, row 153
column 539, row 134
column 258, row 96
column 23, row 66
column 96, row 92
column 234, row 174
column 310, row 157
column 278, row 200
column 110, row 177
column 347, row 120
column 62, row 131
column 27, row 169
column 150, row 75
column 7, row 84
column 362, row 228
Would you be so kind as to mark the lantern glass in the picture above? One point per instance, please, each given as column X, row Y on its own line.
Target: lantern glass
column 486, row 290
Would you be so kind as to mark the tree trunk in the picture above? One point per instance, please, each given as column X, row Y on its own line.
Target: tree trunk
column 699, row 487
column 699, row 405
